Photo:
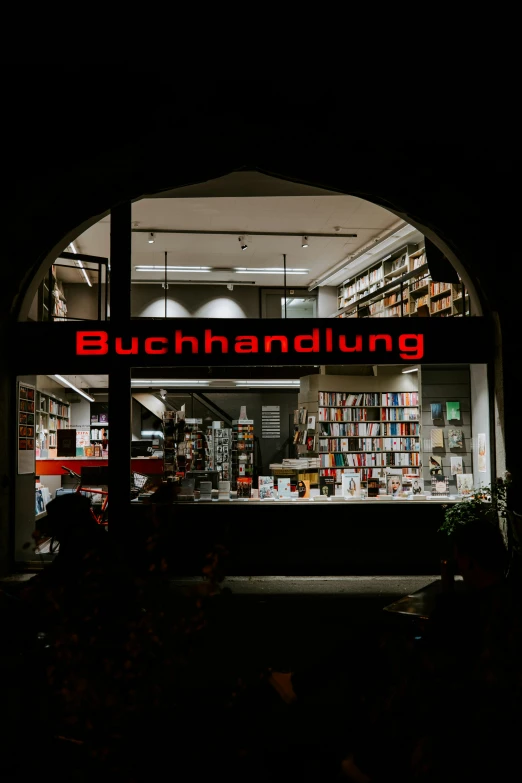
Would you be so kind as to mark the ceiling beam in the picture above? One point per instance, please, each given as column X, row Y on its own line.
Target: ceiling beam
column 238, row 233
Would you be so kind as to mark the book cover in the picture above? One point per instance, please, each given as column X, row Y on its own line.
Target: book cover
column 455, row 438
column 464, row 483
column 303, row 488
column 437, row 438
column 244, row 487
column 416, row 486
column 435, row 463
column 266, row 487
column 327, row 485
column 283, row 487
column 311, row 423
column 394, row 483
column 351, row 485
column 453, row 411
column 88, row 451
column 373, row 487
column 440, row 486
column 456, row 466
column 436, row 410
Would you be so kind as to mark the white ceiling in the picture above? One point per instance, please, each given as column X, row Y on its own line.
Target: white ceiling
column 303, row 214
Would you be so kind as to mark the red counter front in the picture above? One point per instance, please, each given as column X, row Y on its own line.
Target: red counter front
column 53, row 467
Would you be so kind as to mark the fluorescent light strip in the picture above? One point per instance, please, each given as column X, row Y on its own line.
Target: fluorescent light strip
column 172, row 383
column 65, row 382
column 78, row 261
column 270, row 271
column 155, row 268
column 413, row 369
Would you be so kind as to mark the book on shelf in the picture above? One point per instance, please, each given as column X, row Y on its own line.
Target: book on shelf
column 455, row 438
column 266, row 487
column 303, row 488
column 327, row 485
column 283, row 487
column 244, row 486
column 440, row 486
column 464, row 484
column 351, row 485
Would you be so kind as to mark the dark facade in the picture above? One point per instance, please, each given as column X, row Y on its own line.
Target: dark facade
column 456, row 187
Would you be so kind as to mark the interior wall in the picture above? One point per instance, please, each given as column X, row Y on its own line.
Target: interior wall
column 480, row 414
column 199, row 301
column 326, row 301
column 448, row 385
column 81, row 300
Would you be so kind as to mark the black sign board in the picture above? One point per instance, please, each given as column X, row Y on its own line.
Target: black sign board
column 102, row 346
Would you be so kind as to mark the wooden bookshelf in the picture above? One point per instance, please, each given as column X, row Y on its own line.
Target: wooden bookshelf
column 400, row 285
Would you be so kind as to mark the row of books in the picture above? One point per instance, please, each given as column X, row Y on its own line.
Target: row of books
column 300, row 416
column 363, row 459
column 365, row 473
column 368, row 444
column 348, row 399
column 365, row 429
column 363, row 414
column 400, row 398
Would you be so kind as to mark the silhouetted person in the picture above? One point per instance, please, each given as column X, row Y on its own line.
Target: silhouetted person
column 439, row 719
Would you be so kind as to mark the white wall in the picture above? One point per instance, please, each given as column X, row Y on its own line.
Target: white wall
column 480, row 418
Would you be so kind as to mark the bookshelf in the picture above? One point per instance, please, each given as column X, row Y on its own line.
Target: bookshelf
column 184, row 444
column 51, row 415
column 242, row 454
column 400, row 285
column 366, row 431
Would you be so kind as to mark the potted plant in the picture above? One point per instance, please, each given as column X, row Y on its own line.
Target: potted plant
column 484, row 503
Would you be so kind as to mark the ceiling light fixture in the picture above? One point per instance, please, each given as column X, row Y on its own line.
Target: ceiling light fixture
column 268, row 270
column 304, row 242
column 80, row 265
column 412, row 369
column 157, row 268
column 151, row 238
column 243, row 243
column 65, row 382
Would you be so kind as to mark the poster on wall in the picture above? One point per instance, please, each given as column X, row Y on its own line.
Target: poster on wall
column 25, row 428
column 270, row 421
column 481, row 440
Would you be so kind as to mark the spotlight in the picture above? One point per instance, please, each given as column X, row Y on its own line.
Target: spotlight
column 151, row 238
column 243, row 243
column 230, row 286
column 304, row 243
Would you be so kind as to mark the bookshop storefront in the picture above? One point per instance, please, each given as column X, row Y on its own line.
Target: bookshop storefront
column 309, row 446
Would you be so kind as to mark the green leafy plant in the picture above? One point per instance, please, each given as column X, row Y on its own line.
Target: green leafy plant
column 489, row 502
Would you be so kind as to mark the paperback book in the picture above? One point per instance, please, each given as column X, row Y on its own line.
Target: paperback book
column 303, row 488
column 266, row 487
column 456, row 465
column 283, row 487
column 351, row 486
column 394, row 483
column 464, row 483
column 453, row 411
column 437, row 438
column 440, row 486
column 455, row 439
column 327, row 485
